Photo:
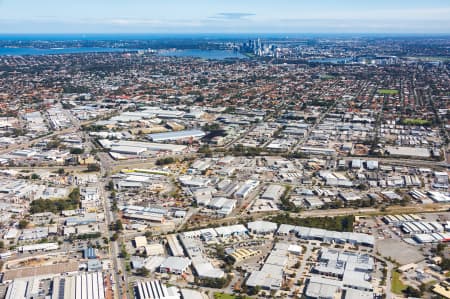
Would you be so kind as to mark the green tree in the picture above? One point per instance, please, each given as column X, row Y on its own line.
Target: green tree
column 93, row 167
column 143, row 272
column 76, row 151
column 35, row 176
column 23, row 223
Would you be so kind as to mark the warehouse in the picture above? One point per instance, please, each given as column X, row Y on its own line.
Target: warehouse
column 139, row 146
column 224, row 206
column 333, row 236
column 175, row 246
column 262, row 227
column 154, row 249
column 270, row 276
column 18, row 289
column 273, row 192
column 38, row 247
column 175, row 265
column 242, row 254
column 155, row 290
column 246, row 188
column 87, row 285
column 323, row 288
column 318, row 151
column 177, row 135
column 128, row 150
column 140, row 241
column 232, row 230
column 89, row 253
column 152, row 214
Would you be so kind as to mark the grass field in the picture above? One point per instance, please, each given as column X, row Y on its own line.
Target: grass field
column 416, row 122
column 388, row 91
column 397, row 285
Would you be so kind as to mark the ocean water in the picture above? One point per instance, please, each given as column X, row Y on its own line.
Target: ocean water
column 204, row 54
column 17, row 51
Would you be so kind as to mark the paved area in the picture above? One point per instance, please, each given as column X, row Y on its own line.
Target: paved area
column 399, row 251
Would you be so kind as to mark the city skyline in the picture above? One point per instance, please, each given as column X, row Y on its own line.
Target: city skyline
column 200, row 16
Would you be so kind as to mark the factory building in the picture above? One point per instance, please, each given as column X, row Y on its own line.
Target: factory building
column 83, row 286
column 273, row 192
column 176, row 136
column 155, row 290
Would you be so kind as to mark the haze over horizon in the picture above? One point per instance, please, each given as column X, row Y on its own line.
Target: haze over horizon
column 202, row 16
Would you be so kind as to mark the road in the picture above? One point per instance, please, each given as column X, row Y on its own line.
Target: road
column 120, row 286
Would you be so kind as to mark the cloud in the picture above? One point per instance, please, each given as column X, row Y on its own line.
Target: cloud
column 232, row 15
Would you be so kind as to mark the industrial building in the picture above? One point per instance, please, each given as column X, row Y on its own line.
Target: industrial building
column 175, row 265
column 176, row 136
column 174, row 245
column 246, row 188
column 38, row 247
column 342, row 275
column 242, row 254
column 323, row 235
column 21, row 288
column 140, row 241
column 262, row 227
column 152, row 214
column 155, row 290
column 137, row 147
column 273, row 192
column 270, row 276
column 82, row 286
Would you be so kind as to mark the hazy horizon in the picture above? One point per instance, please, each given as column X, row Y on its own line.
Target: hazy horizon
column 219, row 17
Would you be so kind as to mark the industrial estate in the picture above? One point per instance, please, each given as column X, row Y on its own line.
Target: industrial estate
column 281, row 168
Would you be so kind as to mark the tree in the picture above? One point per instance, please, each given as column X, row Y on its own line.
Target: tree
column 445, row 264
column 143, row 272
column 23, row 223
column 93, row 167
column 117, row 226
column 35, row 176
column 76, row 151
column 412, row 292
column 114, row 237
column 110, row 185
column 254, row 291
column 61, row 171
column 75, row 194
column 165, row 161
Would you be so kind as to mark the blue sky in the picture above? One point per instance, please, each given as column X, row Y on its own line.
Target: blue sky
column 224, row 16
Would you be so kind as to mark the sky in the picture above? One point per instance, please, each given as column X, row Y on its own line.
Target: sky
column 224, row 16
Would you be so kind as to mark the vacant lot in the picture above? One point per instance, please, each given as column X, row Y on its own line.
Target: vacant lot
column 399, row 251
